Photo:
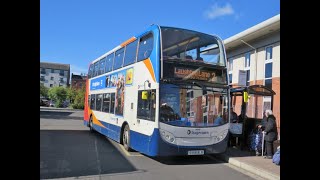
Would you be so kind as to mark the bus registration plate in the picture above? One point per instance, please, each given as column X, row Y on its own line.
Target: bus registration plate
column 196, row 152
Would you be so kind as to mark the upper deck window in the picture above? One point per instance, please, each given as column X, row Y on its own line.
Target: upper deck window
column 102, row 65
column 90, row 73
column 96, row 69
column 131, row 52
column 145, row 47
column 118, row 60
column 190, row 45
column 109, row 62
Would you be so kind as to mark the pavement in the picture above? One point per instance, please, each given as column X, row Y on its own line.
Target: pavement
column 247, row 161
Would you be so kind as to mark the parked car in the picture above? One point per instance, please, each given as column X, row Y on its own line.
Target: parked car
column 44, row 102
column 52, row 104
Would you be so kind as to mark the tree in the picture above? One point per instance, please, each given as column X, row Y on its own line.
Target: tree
column 71, row 94
column 79, row 99
column 43, row 90
column 58, row 94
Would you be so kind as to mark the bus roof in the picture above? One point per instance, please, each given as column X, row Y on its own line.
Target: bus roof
column 151, row 27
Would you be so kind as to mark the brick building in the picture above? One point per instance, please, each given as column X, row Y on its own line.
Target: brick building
column 78, row 81
column 257, row 51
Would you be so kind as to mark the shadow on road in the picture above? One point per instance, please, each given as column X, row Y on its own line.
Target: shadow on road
column 186, row 160
column 59, row 115
column 65, row 153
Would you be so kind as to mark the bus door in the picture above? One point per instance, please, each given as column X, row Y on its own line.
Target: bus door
column 146, row 113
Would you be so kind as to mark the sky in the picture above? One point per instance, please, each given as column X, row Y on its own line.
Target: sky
column 77, row 32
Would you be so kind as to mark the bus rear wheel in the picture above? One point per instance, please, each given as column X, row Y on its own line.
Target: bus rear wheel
column 91, row 124
column 126, row 138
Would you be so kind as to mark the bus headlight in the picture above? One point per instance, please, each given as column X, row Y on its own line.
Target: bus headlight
column 167, row 136
column 219, row 136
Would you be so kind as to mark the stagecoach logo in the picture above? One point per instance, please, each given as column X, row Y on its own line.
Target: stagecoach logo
column 197, row 132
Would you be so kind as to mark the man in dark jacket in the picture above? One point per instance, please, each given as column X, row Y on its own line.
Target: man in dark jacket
column 270, row 133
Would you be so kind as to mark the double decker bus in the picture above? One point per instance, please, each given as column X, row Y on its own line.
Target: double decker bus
column 163, row 92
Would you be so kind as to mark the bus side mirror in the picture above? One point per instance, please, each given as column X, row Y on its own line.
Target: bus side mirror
column 246, row 97
column 144, row 95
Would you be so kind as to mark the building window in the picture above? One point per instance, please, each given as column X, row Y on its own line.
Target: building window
column 51, row 78
column 145, row 47
column 43, row 71
column 61, row 73
column 268, row 68
column 61, row 80
column 42, row 78
column 268, row 83
column 247, row 60
column 268, row 75
column 269, row 53
column 51, row 85
column 230, row 78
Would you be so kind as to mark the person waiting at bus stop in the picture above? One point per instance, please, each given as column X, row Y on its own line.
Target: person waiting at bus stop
column 270, row 133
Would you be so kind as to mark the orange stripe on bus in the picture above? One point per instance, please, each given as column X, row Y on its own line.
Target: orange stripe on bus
column 148, row 64
column 128, row 41
column 86, row 109
column 96, row 122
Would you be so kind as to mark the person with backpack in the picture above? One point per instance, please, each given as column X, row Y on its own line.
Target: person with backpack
column 270, row 133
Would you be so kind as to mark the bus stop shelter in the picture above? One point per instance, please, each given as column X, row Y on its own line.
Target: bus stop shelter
column 249, row 123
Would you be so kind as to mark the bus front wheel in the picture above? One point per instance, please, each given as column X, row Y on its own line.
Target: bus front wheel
column 126, row 137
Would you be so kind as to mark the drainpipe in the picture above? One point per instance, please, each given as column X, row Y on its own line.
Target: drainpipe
column 255, row 76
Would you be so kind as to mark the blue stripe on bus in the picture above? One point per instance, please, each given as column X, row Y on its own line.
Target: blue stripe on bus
column 154, row 145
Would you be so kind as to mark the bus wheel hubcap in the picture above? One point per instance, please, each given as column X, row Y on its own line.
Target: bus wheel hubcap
column 125, row 137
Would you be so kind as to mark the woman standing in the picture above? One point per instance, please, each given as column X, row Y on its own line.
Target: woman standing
column 270, row 133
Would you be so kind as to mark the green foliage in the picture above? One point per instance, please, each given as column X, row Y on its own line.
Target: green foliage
column 79, row 99
column 58, row 95
column 43, row 90
column 71, row 94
